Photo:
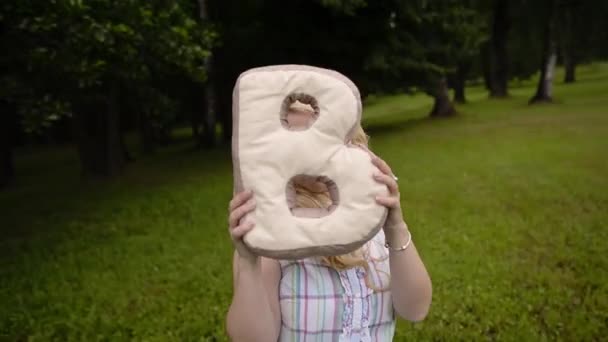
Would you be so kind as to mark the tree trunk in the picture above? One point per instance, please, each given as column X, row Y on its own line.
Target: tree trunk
column 486, row 68
column 459, row 96
column 97, row 124
column 209, row 122
column 208, row 136
column 442, row 107
column 498, row 46
column 568, row 44
column 195, row 119
column 115, row 150
column 570, row 66
column 146, row 132
column 7, row 173
column 224, row 106
column 544, row 90
column 460, row 82
column 123, row 147
column 7, row 125
column 224, row 83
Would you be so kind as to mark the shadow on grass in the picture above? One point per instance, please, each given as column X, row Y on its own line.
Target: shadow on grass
column 60, row 194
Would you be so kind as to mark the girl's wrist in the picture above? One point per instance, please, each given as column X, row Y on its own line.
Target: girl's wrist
column 397, row 226
column 245, row 256
column 248, row 261
column 396, row 234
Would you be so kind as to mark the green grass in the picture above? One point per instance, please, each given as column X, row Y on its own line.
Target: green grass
column 508, row 205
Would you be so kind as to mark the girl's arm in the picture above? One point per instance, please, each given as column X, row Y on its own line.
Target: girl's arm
column 254, row 313
column 410, row 285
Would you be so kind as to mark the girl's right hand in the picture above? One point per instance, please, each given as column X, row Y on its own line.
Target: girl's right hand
column 241, row 204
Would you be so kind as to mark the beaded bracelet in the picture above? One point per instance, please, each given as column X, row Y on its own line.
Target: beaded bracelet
column 402, row 248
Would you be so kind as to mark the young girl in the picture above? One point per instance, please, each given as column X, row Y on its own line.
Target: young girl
column 352, row 297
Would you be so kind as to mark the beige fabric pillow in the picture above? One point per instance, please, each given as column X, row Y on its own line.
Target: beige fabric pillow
column 268, row 156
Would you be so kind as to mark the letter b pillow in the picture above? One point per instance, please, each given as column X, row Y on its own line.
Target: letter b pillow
column 269, row 157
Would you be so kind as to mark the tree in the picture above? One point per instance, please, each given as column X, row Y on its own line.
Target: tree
column 458, row 81
column 524, row 45
column 427, row 44
column 7, row 126
column 384, row 47
column 568, row 40
column 94, row 56
column 442, row 105
column 466, row 35
column 549, row 53
column 498, row 56
column 208, row 136
column 582, row 33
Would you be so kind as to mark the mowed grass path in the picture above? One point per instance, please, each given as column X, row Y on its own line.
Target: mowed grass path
column 508, row 205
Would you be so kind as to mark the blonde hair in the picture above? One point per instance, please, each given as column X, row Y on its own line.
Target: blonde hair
column 308, row 198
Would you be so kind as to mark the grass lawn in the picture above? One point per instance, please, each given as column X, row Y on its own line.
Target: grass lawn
column 508, row 205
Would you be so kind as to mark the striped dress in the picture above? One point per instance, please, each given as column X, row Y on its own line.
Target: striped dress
column 319, row 303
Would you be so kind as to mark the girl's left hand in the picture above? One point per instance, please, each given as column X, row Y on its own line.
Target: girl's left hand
column 392, row 201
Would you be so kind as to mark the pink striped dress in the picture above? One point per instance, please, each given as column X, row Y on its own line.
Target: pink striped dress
column 319, row 303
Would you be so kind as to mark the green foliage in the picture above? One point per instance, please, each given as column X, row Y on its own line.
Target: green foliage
column 424, row 40
column 159, row 113
column 581, row 30
column 525, row 37
column 507, row 205
column 584, row 29
column 38, row 114
column 70, row 48
column 344, row 6
column 384, row 46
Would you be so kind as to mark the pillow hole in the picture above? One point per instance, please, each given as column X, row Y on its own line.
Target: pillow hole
column 299, row 112
column 311, row 196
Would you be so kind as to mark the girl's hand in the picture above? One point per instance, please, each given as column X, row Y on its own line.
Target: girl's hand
column 394, row 220
column 241, row 204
